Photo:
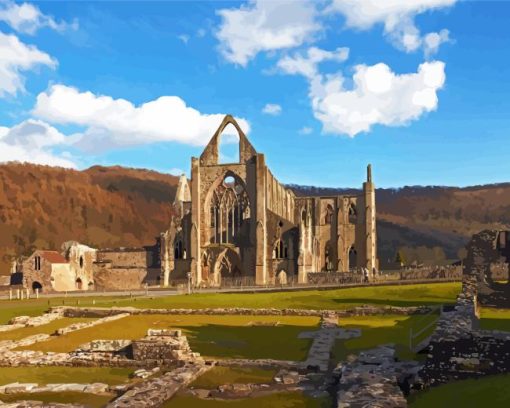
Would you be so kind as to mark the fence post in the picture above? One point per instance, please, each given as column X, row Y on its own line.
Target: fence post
column 37, row 293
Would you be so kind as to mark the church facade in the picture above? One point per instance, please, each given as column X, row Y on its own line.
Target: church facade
column 236, row 223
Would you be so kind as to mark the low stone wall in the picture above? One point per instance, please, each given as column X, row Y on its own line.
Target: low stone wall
column 155, row 391
column 27, row 321
column 72, row 311
column 85, row 325
column 160, row 345
column 459, row 350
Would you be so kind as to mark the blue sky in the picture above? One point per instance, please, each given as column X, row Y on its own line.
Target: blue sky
column 430, row 105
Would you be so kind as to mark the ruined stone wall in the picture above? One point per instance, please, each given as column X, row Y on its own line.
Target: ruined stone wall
column 42, row 276
column 106, row 278
column 126, row 257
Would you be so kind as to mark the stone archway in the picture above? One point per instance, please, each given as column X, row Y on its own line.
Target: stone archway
column 227, row 267
column 37, row 286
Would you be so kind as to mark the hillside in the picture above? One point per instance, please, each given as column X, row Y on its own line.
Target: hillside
column 43, row 206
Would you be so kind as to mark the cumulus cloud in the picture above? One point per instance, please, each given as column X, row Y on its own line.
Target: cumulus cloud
column 378, row 96
column 307, row 64
column 306, row 130
column 27, row 18
column 397, row 16
column 112, row 122
column 33, row 141
column 15, row 57
column 265, row 25
column 175, row 171
column 272, row 109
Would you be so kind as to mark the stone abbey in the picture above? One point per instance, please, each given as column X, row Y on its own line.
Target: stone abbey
column 235, row 222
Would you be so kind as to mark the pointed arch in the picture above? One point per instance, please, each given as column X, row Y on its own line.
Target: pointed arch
column 210, row 155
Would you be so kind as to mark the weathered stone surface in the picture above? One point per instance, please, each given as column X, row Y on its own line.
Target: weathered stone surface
column 163, row 345
column 370, row 381
column 366, row 310
column 153, row 392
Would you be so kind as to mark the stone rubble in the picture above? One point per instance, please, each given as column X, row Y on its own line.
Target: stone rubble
column 371, row 380
column 155, row 391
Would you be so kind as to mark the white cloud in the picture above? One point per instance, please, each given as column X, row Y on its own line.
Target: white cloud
column 265, row 25
column 32, row 141
column 397, row 16
column 378, row 96
column 117, row 122
column 307, row 65
column 174, row 171
column 15, row 57
column 184, row 38
column 272, row 109
column 432, row 41
column 306, row 130
column 27, row 18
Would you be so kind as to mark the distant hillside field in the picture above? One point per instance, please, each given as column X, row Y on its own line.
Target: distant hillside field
column 42, row 206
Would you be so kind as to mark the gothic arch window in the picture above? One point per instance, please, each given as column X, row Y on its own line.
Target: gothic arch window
column 229, row 209
column 178, row 250
column 329, row 215
column 280, row 250
column 353, row 214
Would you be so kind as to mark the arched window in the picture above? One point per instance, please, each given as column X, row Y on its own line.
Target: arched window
column 280, row 250
column 303, row 218
column 37, row 263
column 329, row 215
column 353, row 261
column 79, row 284
column 81, row 261
column 178, row 250
column 353, row 215
column 229, row 208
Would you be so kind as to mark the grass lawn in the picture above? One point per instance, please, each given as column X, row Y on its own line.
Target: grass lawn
column 487, row 392
column 214, row 336
column 398, row 295
column 55, row 375
column 377, row 330
column 46, row 328
column 279, row 400
column 88, row 400
column 217, row 376
column 495, row 319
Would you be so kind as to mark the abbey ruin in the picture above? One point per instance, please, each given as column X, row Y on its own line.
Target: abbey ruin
column 236, row 223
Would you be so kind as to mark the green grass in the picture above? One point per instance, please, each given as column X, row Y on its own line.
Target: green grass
column 49, row 328
column 54, row 375
column 495, row 319
column 279, row 400
column 485, row 392
column 214, row 336
column 88, row 400
column 404, row 295
column 377, row 330
column 217, row 376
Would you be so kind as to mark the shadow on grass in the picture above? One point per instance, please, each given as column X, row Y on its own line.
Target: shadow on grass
column 275, row 342
column 491, row 391
column 378, row 330
column 387, row 302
